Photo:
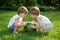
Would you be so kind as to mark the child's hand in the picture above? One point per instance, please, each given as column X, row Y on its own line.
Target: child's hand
column 18, row 24
column 33, row 21
column 25, row 23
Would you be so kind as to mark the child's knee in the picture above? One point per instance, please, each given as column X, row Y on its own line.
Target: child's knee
column 17, row 25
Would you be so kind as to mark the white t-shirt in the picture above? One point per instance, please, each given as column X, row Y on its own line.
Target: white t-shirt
column 46, row 23
column 12, row 20
column 44, row 19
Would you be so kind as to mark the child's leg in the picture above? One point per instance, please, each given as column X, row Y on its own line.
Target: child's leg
column 15, row 29
column 42, row 30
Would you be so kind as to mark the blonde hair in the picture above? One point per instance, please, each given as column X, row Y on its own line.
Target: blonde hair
column 34, row 11
column 22, row 9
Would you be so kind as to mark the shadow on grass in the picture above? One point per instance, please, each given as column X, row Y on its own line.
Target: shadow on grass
column 33, row 33
column 5, row 32
column 29, row 33
column 23, row 35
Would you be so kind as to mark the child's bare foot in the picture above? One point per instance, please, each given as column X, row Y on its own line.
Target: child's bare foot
column 15, row 32
column 42, row 30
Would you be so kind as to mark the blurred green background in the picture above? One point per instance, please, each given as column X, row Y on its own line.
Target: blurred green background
column 44, row 5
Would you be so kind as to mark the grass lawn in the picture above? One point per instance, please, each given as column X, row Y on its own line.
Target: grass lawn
column 53, row 34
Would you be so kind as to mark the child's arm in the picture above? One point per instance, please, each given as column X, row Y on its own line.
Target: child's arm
column 17, row 23
column 39, row 22
column 24, row 23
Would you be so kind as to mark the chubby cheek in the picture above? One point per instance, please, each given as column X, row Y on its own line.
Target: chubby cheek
column 22, row 15
column 32, row 16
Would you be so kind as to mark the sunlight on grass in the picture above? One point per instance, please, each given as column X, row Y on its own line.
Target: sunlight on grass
column 6, row 34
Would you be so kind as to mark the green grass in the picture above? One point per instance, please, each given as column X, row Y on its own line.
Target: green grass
column 53, row 34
